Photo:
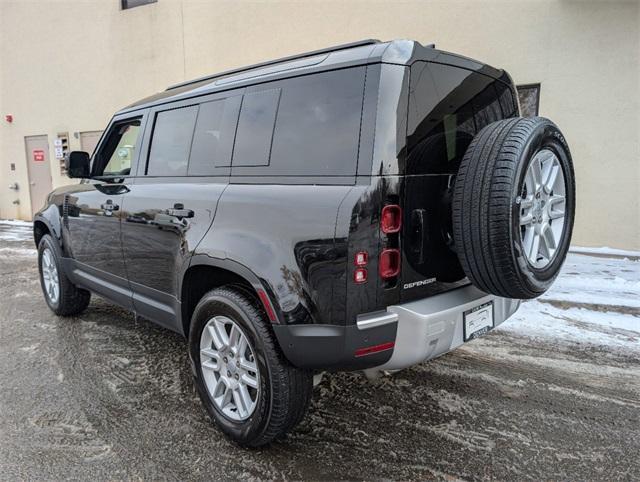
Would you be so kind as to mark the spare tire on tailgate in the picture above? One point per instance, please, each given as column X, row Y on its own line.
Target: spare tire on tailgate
column 513, row 207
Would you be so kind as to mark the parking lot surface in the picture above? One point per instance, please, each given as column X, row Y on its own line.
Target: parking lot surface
column 552, row 394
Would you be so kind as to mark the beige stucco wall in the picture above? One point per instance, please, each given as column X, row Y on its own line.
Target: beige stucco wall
column 66, row 66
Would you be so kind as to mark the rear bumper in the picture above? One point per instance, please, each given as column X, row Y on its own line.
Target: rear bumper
column 433, row 326
column 421, row 330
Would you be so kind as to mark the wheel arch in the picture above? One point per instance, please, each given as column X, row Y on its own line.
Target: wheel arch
column 47, row 222
column 205, row 273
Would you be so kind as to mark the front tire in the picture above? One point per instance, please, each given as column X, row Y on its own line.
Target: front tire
column 251, row 391
column 62, row 296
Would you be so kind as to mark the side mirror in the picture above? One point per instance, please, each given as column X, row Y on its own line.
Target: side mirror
column 77, row 164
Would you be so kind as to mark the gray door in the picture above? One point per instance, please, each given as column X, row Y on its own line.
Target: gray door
column 39, row 169
column 89, row 141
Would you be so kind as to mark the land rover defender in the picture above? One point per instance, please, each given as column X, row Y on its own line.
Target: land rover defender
column 364, row 207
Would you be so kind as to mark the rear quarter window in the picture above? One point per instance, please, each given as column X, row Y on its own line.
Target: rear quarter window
column 316, row 129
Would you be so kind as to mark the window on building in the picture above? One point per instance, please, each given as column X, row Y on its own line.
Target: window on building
column 529, row 96
column 213, row 137
column 171, row 142
column 126, row 4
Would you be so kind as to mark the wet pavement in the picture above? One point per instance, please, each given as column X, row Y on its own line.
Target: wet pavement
column 103, row 396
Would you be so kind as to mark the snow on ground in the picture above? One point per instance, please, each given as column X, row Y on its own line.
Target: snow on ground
column 598, row 281
column 594, row 300
column 605, row 250
column 539, row 320
column 16, row 222
column 15, row 230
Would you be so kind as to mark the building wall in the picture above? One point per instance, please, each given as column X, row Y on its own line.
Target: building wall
column 67, row 66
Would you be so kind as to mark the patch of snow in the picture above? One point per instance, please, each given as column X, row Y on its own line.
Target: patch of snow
column 16, row 231
column 598, row 281
column 540, row 320
column 604, row 250
column 605, row 293
column 17, row 252
column 16, row 222
column 15, row 236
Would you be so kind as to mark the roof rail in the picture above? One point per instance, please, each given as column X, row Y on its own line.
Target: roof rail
column 360, row 43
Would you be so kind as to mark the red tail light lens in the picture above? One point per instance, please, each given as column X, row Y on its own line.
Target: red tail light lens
column 360, row 276
column 361, row 258
column 389, row 264
column 391, row 219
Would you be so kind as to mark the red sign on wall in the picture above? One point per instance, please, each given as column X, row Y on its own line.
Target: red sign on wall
column 38, row 155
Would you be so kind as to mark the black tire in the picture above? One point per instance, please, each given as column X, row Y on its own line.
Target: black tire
column 71, row 300
column 285, row 391
column 486, row 210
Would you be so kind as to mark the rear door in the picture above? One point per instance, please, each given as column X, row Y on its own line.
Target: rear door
column 173, row 200
column 447, row 107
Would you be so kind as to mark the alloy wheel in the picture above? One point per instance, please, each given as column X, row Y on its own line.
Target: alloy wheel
column 229, row 368
column 50, row 276
column 542, row 209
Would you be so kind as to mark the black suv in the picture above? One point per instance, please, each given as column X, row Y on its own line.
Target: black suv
column 364, row 207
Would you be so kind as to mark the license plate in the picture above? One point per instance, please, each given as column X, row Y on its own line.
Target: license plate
column 478, row 320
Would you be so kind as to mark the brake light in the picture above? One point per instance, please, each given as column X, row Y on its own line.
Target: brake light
column 361, row 258
column 391, row 219
column 360, row 276
column 389, row 263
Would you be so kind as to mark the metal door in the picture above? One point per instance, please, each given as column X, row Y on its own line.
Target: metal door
column 89, row 141
column 39, row 170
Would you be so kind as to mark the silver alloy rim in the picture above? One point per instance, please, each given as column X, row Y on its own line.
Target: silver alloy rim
column 542, row 209
column 229, row 368
column 50, row 276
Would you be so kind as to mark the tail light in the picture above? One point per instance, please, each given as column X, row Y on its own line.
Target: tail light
column 360, row 261
column 361, row 258
column 391, row 219
column 360, row 276
column 389, row 263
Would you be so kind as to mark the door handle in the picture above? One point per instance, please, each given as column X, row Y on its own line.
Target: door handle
column 109, row 206
column 179, row 211
column 417, row 234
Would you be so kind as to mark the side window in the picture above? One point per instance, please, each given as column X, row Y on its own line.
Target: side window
column 255, row 128
column 317, row 126
column 213, row 137
column 171, row 142
column 118, row 149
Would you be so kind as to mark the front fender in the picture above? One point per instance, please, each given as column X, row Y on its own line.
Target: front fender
column 50, row 217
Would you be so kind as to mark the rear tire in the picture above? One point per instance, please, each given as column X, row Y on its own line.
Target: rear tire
column 62, row 296
column 283, row 391
column 513, row 207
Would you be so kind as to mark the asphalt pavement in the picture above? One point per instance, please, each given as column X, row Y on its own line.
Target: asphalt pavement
column 102, row 396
